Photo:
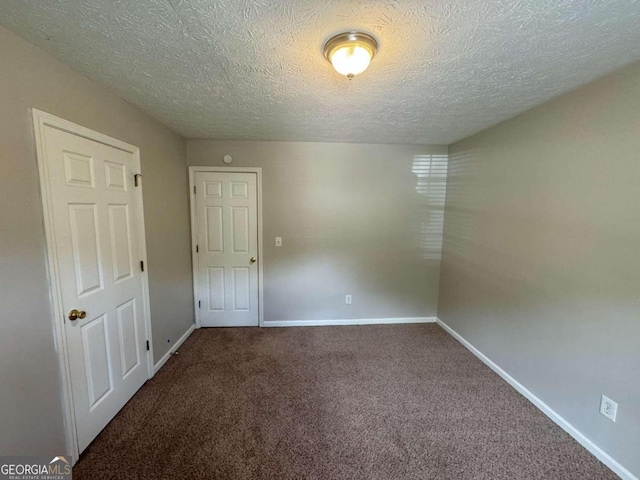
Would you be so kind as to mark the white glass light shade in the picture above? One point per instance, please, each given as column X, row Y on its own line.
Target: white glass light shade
column 350, row 60
column 350, row 53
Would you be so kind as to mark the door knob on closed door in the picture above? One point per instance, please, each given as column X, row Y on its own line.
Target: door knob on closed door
column 253, row 260
column 75, row 314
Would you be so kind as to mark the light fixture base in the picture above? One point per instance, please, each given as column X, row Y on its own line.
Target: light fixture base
column 359, row 38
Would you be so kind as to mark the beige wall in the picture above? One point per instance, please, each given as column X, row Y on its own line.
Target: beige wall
column 363, row 220
column 541, row 262
column 30, row 406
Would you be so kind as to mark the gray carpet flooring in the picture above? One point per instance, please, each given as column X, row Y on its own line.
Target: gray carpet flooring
column 366, row 402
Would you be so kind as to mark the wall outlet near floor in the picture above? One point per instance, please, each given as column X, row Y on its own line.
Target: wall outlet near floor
column 278, row 241
column 608, row 408
column 347, row 299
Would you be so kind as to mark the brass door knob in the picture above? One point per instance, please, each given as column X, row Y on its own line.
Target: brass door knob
column 253, row 260
column 77, row 314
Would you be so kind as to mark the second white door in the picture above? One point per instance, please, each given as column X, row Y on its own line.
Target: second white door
column 227, row 249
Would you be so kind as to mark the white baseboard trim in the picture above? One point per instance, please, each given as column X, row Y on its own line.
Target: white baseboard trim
column 600, row 454
column 175, row 347
column 349, row 321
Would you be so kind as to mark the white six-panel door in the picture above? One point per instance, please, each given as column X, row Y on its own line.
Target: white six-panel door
column 226, row 218
column 97, row 251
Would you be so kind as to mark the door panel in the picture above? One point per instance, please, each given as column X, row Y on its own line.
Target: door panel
column 216, row 288
column 93, row 203
column 78, row 170
column 227, row 238
column 128, row 336
column 241, row 289
column 215, row 243
column 240, row 229
column 239, row 190
column 86, row 251
column 120, row 241
column 115, row 175
column 213, row 189
column 97, row 359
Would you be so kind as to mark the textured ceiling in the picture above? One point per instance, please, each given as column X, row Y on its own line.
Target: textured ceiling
column 254, row 69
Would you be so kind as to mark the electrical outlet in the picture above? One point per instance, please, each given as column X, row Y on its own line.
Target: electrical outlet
column 608, row 408
column 278, row 241
column 347, row 299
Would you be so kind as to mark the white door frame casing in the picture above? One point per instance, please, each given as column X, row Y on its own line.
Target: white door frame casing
column 194, row 233
column 41, row 120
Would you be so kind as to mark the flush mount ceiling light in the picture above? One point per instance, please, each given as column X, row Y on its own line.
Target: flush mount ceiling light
column 351, row 52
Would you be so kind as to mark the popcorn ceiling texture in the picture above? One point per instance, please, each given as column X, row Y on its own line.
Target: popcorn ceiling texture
column 241, row 69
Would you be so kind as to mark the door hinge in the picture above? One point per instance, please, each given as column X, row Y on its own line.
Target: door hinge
column 135, row 179
column 147, row 344
column 142, row 265
column 194, row 190
column 197, row 248
column 199, row 304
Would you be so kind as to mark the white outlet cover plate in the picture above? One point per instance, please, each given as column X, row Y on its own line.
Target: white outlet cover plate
column 608, row 408
column 278, row 241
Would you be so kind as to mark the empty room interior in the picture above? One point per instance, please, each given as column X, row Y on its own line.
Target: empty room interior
column 336, row 239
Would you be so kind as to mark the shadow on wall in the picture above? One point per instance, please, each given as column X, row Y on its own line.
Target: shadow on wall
column 370, row 228
column 431, row 173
